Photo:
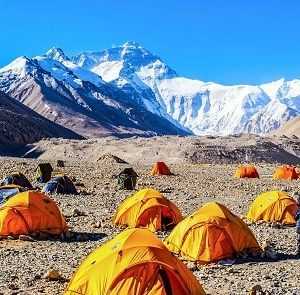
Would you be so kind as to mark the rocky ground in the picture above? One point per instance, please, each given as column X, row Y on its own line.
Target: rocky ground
column 24, row 263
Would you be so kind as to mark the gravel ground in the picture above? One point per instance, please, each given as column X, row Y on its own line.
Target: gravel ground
column 23, row 263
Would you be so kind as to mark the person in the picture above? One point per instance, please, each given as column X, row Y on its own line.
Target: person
column 297, row 217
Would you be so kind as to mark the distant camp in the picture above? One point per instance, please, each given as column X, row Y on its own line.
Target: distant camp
column 148, row 208
column 60, row 184
column 273, row 206
column 286, row 172
column 210, row 234
column 16, row 178
column 134, row 262
column 10, row 190
column 30, row 213
column 160, row 168
column 246, row 171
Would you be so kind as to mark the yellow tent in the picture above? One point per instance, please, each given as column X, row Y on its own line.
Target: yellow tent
column 135, row 262
column 147, row 208
column 273, row 206
column 210, row 234
column 31, row 212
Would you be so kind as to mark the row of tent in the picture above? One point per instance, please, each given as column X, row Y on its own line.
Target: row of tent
column 149, row 208
column 134, row 262
column 62, row 184
column 136, row 259
column 209, row 234
column 127, row 179
column 137, row 262
column 285, row 172
column 17, row 182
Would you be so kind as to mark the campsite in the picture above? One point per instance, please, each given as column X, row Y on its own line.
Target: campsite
column 45, row 265
column 149, row 147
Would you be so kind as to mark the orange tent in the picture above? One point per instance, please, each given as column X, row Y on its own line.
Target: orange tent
column 135, row 262
column 286, row 172
column 147, row 208
column 274, row 206
column 210, row 234
column 160, row 168
column 246, row 171
column 31, row 212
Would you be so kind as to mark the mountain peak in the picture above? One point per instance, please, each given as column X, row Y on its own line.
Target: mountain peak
column 131, row 44
column 20, row 65
column 56, row 53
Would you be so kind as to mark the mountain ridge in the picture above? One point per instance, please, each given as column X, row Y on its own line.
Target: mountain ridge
column 206, row 108
column 78, row 99
column 21, row 125
column 130, row 77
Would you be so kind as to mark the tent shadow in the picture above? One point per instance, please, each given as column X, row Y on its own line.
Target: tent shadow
column 280, row 257
column 77, row 237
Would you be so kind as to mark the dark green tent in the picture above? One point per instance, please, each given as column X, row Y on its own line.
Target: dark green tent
column 127, row 179
column 44, row 172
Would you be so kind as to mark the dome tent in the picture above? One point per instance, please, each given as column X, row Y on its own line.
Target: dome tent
column 60, row 184
column 16, row 178
column 160, row 168
column 127, row 179
column 286, row 172
column 147, row 208
column 43, row 172
column 246, row 171
column 210, row 234
column 31, row 212
column 273, row 206
column 135, row 262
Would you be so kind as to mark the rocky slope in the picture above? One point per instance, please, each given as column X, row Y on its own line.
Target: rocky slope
column 291, row 128
column 192, row 149
column 20, row 125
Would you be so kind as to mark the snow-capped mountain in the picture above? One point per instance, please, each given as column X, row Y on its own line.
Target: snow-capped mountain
column 79, row 99
column 204, row 108
column 127, row 89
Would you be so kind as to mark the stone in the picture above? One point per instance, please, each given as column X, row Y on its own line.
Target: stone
column 13, row 287
column 76, row 212
column 26, row 238
column 53, row 275
column 255, row 290
column 97, row 224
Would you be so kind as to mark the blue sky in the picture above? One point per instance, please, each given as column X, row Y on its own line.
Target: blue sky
column 234, row 41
